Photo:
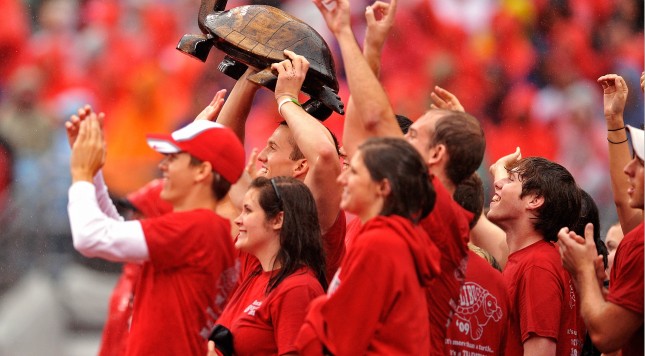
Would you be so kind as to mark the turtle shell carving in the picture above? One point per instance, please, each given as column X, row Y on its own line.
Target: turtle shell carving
column 256, row 35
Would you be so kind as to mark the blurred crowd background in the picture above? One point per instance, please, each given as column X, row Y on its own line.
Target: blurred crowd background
column 526, row 68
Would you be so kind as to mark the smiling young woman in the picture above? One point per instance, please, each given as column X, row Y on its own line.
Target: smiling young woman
column 283, row 269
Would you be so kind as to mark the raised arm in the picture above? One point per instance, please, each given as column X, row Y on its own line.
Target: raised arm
column 235, row 116
column 94, row 233
column 312, row 138
column 380, row 19
column 614, row 98
column 238, row 105
column 369, row 99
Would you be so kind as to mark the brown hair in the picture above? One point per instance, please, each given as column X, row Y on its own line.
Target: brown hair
column 412, row 195
column 300, row 236
column 556, row 185
column 464, row 140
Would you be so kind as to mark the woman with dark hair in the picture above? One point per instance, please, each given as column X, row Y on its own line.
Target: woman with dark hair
column 279, row 227
column 376, row 302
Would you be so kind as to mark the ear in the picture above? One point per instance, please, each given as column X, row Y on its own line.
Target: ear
column 534, row 202
column 437, row 154
column 276, row 222
column 203, row 171
column 300, row 168
column 384, row 188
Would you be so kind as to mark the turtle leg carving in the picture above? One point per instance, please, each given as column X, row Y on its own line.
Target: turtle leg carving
column 331, row 99
column 197, row 46
column 317, row 109
column 265, row 78
column 232, row 68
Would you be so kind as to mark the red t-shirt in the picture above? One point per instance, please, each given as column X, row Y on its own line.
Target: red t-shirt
column 543, row 301
column 117, row 323
column 268, row 324
column 190, row 271
column 447, row 226
column 626, row 287
column 480, row 323
column 376, row 301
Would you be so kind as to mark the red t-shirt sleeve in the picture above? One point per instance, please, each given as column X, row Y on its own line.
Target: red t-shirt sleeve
column 288, row 313
column 541, row 303
column 626, row 286
column 175, row 239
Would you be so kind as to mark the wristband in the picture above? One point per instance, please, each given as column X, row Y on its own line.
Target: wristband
column 616, row 143
column 618, row 129
column 284, row 101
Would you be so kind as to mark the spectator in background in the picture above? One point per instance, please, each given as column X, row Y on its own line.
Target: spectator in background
column 612, row 240
column 27, row 125
column 589, row 215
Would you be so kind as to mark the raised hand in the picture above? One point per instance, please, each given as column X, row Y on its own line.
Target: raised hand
column 614, row 94
column 291, row 74
column 578, row 254
column 213, row 109
column 72, row 126
column 443, row 99
column 251, row 165
column 336, row 14
column 498, row 169
column 380, row 19
column 88, row 150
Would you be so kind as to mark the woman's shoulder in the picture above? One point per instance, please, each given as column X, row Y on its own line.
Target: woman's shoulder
column 303, row 277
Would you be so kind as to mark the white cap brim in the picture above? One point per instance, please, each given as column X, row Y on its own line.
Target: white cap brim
column 638, row 141
column 162, row 146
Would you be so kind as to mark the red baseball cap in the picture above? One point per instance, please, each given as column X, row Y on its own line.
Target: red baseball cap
column 208, row 141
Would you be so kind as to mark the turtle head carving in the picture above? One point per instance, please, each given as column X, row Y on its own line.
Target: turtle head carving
column 256, row 36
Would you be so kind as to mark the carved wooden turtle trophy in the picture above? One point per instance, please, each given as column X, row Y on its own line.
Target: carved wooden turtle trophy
column 256, row 35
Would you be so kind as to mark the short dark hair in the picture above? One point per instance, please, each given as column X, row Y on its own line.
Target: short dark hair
column 556, row 185
column 296, row 154
column 300, row 236
column 470, row 195
column 219, row 186
column 404, row 123
column 464, row 139
column 412, row 194
column 589, row 214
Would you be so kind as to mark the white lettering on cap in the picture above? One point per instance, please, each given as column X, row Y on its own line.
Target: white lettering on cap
column 162, row 146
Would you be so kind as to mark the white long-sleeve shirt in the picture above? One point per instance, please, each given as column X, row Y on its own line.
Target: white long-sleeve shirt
column 97, row 228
